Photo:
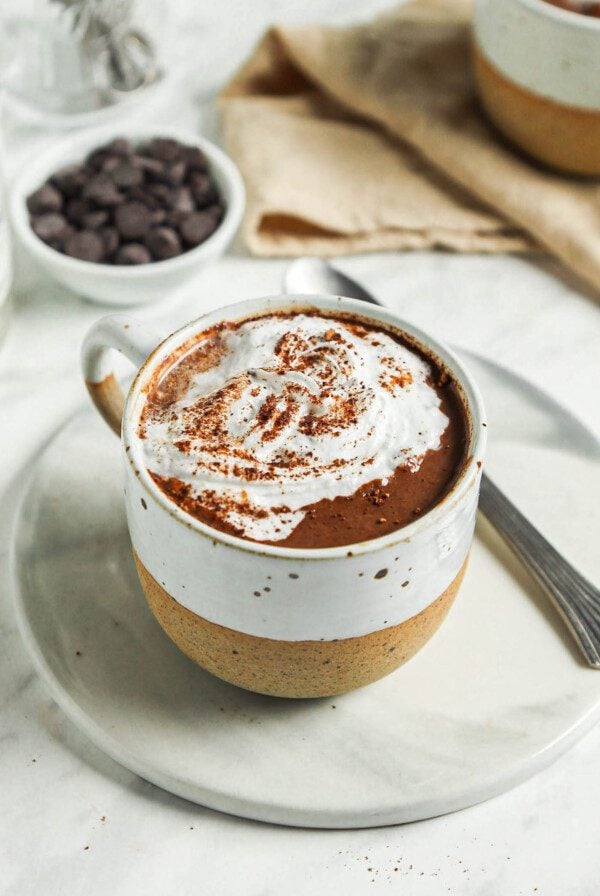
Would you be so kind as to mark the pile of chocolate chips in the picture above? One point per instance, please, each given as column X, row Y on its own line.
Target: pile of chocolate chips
column 129, row 206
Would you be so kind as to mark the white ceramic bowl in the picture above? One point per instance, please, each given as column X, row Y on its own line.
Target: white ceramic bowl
column 123, row 284
column 537, row 69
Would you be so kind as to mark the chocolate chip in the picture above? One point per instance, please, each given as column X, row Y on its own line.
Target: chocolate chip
column 77, row 209
column 133, row 253
column 161, row 192
column 202, row 189
column 197, row 227
column 163, row 243
column 132, row 220
column 110, row 238
column 119, row 146
column 174, row 174
column 70, row 180
column 174, row 218
column 46, row 199
column 50, row 227
column 216, row 210
column 181, row 200
column 85, row 245
column 101, row 190
column 95, row 220
column 96, row 158
column 158, row 216
column 125, row 175
column 166, row 150
column 110, row 163
column 141, row 194
column 195, row 158
column 152, row 167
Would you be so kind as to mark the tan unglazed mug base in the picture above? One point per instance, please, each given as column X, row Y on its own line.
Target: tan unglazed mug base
column 294, row 668
column 561, row 136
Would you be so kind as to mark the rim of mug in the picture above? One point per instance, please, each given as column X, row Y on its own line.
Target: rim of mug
column 249, row 308
column 566, row 16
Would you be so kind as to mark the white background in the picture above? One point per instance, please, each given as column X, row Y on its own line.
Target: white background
column 59, row 794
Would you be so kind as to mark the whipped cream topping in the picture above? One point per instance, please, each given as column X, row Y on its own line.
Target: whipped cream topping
column 264, row 418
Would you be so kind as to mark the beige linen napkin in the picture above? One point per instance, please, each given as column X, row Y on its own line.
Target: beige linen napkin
column 370, row 137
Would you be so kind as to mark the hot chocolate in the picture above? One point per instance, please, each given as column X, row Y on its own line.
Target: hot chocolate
column 583, row 7
column 303, row 430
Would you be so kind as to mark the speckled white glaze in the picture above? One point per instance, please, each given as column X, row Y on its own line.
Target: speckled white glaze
column 289, row 593
column 547, row 50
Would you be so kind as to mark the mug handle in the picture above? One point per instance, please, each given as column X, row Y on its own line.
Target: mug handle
column 129, row 337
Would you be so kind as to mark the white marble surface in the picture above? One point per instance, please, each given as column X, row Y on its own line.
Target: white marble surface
column 72, row 821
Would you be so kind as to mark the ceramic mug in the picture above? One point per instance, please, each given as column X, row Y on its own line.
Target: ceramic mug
column 285, row 621
column 537, row 69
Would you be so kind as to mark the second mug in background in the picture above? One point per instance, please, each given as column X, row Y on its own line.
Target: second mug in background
column 537, row 69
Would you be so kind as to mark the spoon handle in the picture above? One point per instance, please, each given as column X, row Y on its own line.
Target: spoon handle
column 575, row 598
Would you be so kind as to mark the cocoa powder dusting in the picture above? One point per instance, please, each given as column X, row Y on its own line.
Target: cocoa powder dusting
column 404, row 496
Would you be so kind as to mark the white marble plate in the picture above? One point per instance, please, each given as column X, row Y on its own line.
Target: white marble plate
column 496, row 695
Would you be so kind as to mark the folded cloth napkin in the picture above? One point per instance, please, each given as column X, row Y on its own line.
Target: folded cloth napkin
column 370, row 137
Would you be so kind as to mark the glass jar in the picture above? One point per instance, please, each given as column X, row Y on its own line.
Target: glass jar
column 69, row 61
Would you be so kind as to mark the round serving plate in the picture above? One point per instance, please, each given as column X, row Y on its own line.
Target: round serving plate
column 495, row 696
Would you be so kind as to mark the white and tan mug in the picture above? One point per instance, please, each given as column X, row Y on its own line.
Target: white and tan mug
column 285, row 621
column 537, row 70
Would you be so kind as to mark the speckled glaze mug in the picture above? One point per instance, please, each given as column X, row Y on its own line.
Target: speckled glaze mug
column 285, row 621
column 537, row 70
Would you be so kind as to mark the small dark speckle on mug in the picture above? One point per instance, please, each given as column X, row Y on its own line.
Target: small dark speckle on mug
column 257, row 594
column 381, row 574
column 144, row 505
column 404, row 584
column 294, row 575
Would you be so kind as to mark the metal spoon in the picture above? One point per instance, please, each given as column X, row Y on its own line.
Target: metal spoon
column 575, row 598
